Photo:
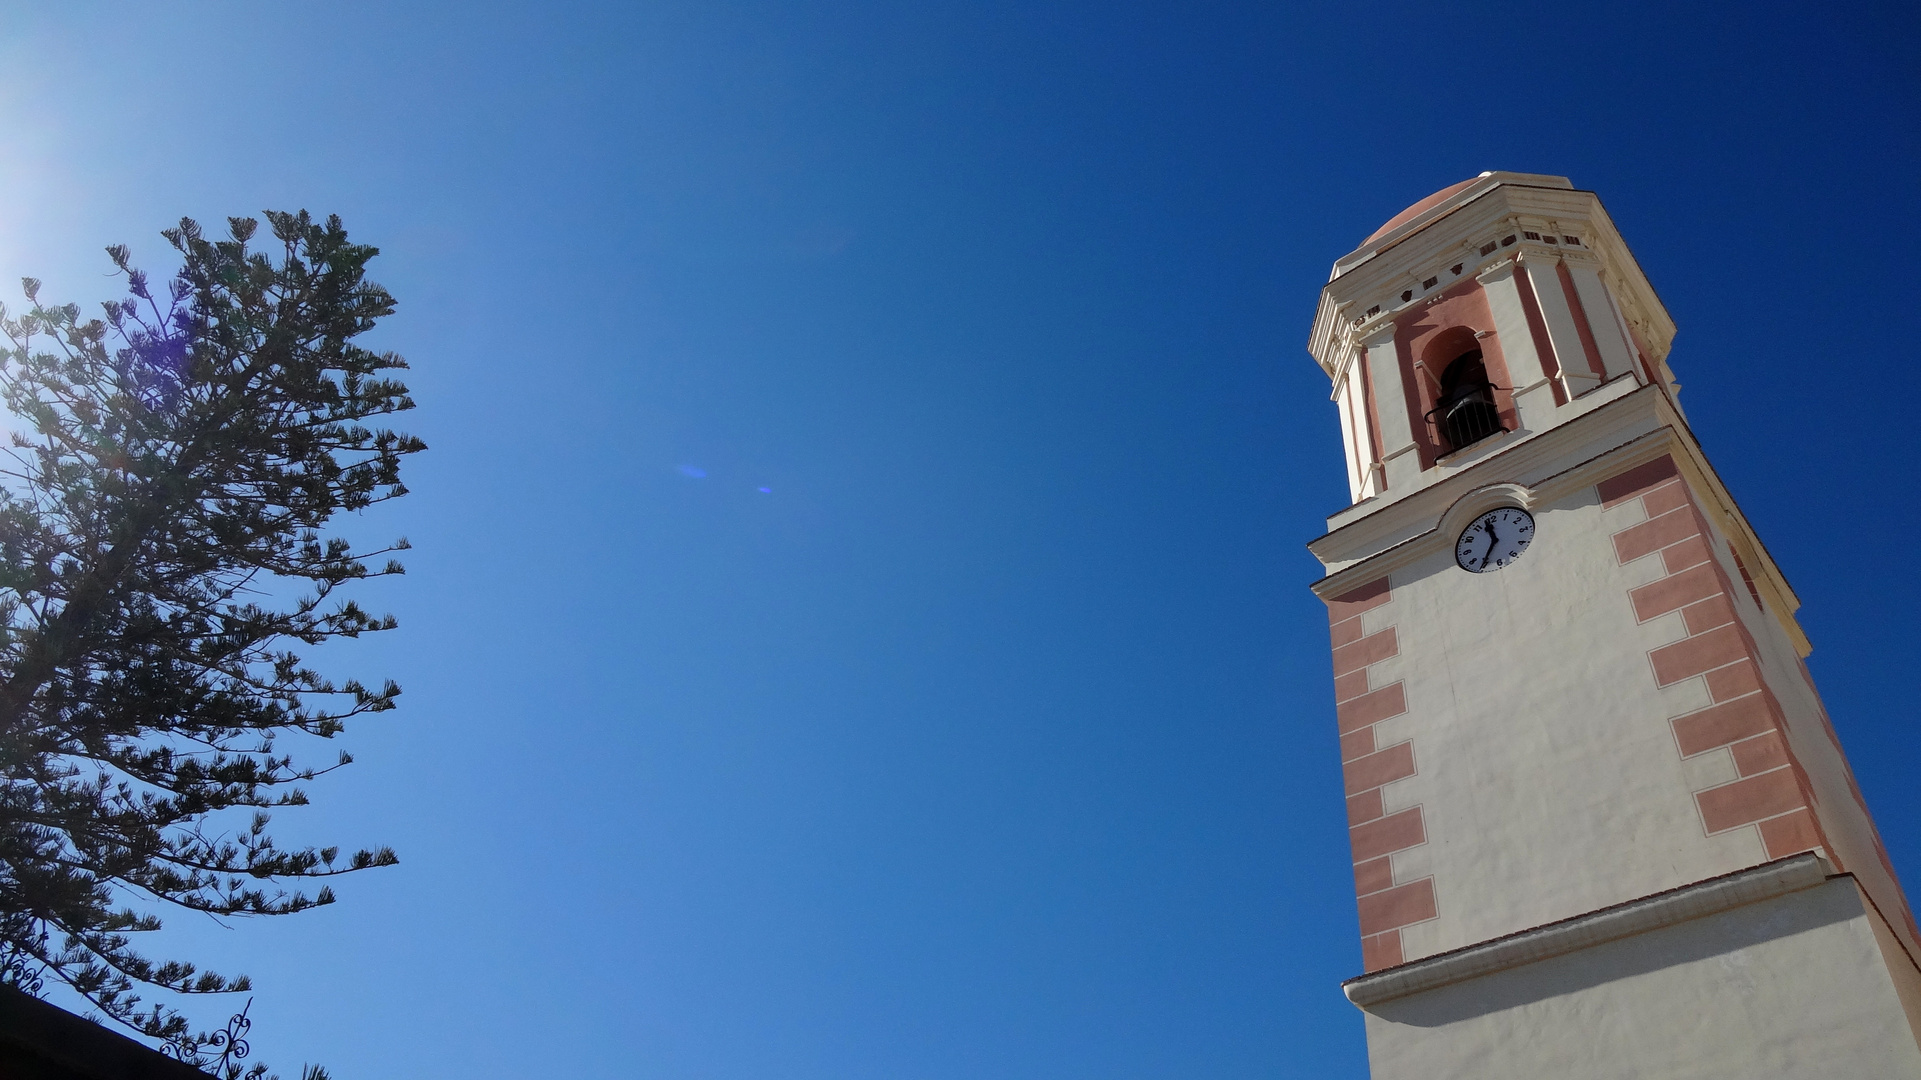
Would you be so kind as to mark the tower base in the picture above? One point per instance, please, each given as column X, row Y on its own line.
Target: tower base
column 1781, row 971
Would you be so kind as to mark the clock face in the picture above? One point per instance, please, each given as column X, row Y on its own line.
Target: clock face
column 1495, row 539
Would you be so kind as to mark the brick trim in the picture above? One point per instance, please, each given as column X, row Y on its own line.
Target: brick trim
column 1745, row 715
column 1770, row 791
column 1360, row 702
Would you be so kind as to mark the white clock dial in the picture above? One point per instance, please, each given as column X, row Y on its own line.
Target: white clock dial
column 1495, row 539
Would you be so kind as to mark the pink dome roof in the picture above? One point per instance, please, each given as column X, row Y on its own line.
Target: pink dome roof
column 1419, row 208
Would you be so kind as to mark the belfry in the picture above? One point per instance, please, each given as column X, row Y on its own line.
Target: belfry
column 1601, row 825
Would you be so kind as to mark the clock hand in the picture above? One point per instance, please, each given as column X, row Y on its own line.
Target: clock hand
column 1491, row 541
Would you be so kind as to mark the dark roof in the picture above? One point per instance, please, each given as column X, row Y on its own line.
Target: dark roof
column 39, row 1041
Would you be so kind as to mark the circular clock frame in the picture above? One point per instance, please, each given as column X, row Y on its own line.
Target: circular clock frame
column 1494, row 539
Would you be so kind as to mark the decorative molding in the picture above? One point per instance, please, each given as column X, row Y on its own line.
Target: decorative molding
column 1375, row 481
column 1638, row 424
column 1480, row 501
column 1607, row 425
column 1671, row 908
column 1377, row 273
column 1504, row 268
column 1519, row 390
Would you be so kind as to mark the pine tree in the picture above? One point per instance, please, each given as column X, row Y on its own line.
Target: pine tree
column 163, row 568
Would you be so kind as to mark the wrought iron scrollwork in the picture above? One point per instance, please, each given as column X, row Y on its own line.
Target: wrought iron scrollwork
column 23, row 954
column 231, row 1043
column 22, row 971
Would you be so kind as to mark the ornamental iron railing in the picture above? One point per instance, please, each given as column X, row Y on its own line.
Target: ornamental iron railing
column 230, row 1043
column 1467, row 415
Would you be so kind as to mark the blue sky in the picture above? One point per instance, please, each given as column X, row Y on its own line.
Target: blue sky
column 858, row 624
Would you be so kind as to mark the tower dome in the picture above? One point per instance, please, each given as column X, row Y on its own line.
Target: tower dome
column 1422, row 207
column 1442, row 203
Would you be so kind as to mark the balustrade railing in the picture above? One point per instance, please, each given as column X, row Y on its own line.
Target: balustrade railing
column 1467, row 416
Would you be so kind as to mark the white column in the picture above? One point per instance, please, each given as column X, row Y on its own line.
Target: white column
column 1576, row 375
column 1363, row 472
column 1616, row 356
column 1533, row 396
column 1400, row 462
column 1648, row 368
column 1357, row 454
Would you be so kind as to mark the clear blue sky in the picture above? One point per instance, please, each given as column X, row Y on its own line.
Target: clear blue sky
column 993, row 739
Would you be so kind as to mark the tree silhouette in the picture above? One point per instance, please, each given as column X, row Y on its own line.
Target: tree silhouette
column 162, row 565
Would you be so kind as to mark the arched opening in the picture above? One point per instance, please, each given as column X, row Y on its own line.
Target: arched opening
column 1465, row 413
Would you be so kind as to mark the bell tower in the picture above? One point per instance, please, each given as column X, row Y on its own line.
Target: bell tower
column 1601, row 825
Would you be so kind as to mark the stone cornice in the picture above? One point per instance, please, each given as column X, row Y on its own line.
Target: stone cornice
column 1428, row 246
column 1710, row 897
column 1381, row 332
column 1500, row 268
column 1370, row 530
column 1502, row 210
column 1625, row 427
column 1473, row 194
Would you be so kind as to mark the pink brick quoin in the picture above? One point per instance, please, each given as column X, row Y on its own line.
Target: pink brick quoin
column 1360, row 703
column 1770, row 792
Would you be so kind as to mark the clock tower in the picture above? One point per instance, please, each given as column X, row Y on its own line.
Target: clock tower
column 1601, row 825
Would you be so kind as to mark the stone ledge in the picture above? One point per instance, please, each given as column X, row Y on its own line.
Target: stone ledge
column 1763, row 882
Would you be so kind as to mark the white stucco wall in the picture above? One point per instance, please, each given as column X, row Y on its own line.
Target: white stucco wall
column 1547, row 773
column 1790, row 988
